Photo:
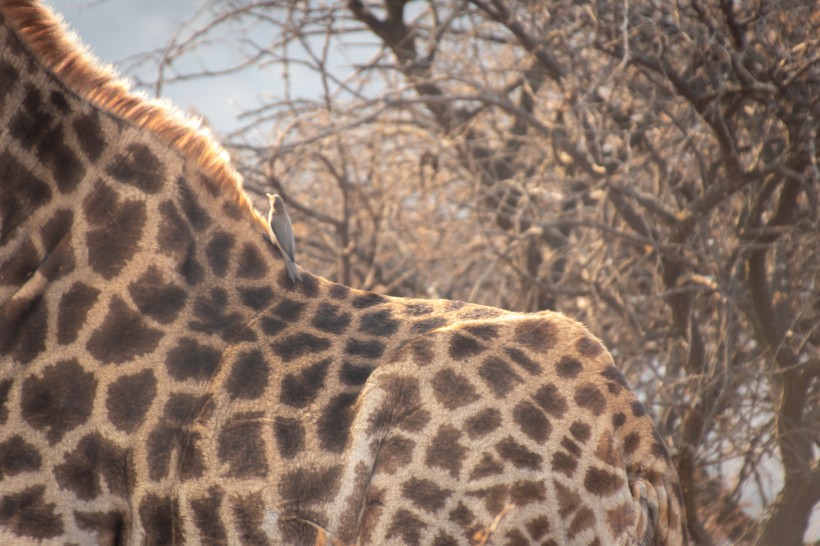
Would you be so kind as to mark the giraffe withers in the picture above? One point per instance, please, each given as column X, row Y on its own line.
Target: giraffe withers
column 163, row 381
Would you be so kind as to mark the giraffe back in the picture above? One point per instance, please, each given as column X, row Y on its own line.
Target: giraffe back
column 163, row 381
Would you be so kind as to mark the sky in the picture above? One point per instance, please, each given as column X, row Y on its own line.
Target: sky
column 115, row 30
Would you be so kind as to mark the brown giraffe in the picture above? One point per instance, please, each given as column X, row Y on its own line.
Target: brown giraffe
column 162, row 380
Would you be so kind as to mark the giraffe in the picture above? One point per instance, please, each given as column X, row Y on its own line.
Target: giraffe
column 162, row 381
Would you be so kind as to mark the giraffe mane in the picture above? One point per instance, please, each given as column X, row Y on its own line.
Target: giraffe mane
column 69, row 59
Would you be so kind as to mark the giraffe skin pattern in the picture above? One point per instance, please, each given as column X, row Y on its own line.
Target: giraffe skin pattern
column 162, row 381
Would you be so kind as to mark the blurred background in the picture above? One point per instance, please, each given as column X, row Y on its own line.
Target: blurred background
column 648, row 168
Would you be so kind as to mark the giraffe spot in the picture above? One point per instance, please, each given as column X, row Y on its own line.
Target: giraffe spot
column 299, row 345
column 588, row 396
column 212, row 316
column 568, row 499
column 288, row 310
column 532, row 421
column 89, row 134
column 568, row 367
column 396, row 452
column 536, row 334
column 580, row 431
column 538, row 527
column 249, row 376
column 160, row 518
column 334, row 423
column 290, row 436
column 160, row 300
column 191, row 360
column 618, row 419
column 518, row 455
column 207, row 518
column 59, row 101
column 241, row 448
column 5, row 387
column 353, row 375
column 364, row 349
column 271, row 326
column 445, row 451
column 257, row 298
column 32, row 120
column 209, row 184
column 637, row 409
column 379, row 323
column 454, row 305
column 443, row 539
column 73, row 311
column 564, row 463
column 116, row 240
column 249, row 515
column 122, row 336
column 571, row 447
column 53, row 153
column 588, row 347
column 338, row 291
column 23, row 328
column 100, row 204
column 614, row 374
column 56, row 238
column 57, row 229
column 524, row 492
column 422, row 352
column 427, row 325
column 251, row 265
column 486, row 332
column 329, row 318
column 27, row 514
column 304, row 487
column 368, row 300
column 167, row 436
column 299, row 390
column 196, row 215
column 60, row 400
column 218, row 253
column 9, row 76
column 417, row 309
column 17, row 456
column 621, row 519
column 499, row 376
column 602, row 482
column 26, row 260
column 453, row 390
column 109, row 527
column 129, row 398
column 461, row 515
column 138, row 167
column 583, row 520
column 425, row 494
column 94, row 458
column 23, row 193
column 463, row 347
column 526, row 363
column 515, row 537
column 487, row 466
column 482, row 423
column 606, row 451
column 551, row 401
column 175, row 239
column 631, row 442
column 495, row 499
column 407, row 527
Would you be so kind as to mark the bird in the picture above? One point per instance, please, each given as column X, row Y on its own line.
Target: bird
column 280, row 231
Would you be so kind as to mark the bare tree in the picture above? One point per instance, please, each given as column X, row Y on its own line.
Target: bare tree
column 648, row 167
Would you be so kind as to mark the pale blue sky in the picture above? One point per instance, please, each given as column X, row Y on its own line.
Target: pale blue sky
column 118, row 29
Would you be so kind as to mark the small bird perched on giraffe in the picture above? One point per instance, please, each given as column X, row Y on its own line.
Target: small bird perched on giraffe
column 280, row 232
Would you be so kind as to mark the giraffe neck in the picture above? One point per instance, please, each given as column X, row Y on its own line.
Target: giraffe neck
column 94, row 191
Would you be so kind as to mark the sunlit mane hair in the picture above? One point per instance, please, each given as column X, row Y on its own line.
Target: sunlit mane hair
column 69, row 59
